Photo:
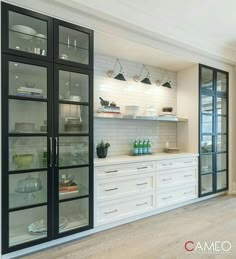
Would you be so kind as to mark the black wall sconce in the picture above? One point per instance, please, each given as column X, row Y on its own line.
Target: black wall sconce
column 146, row 80
column 120, row 75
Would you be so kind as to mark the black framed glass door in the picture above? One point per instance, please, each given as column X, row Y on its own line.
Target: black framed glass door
column 213, row 130
column 26, row 147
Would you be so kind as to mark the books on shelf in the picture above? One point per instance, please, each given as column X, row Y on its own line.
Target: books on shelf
column 30, row 92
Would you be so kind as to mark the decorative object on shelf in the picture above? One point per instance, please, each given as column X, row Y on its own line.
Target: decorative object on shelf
column 146, row 80
column 131, row 110
column 40, row 227
column 102, row 149
column 163, row 83
column 25, row 32
column 171, row 150
column 167, row 111
column 120, row 75
column 141, row 147
column 72, row 116
column 29, row 91
column 24, row 127
column 41, row 36
column 28, row 186
column 106, row 108
column 67, row 184
column 151, row 111
column 64, row 56
column 23, row 160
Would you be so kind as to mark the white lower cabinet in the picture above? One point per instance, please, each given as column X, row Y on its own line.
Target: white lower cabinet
column 126, row 190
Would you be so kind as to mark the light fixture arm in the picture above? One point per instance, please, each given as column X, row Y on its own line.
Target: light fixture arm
column 118, row 61
column 144, row 67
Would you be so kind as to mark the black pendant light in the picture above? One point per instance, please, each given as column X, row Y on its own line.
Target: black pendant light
column 120, row 75
column 167, row 84
column 146, row 80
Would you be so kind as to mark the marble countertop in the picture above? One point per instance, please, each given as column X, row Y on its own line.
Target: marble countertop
column 143, row 158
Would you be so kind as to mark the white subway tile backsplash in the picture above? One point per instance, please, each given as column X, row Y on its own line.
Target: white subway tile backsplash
column 121, row 133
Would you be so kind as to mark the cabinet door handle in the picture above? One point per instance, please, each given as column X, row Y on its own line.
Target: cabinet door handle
column 187, row 175
column 166, row 198
column 111, row 171
column 167, row 164
column 140, row 168
column 50, row 151
column 138, row 184
column 112, row 189
column 141, row 204
column 110, row 212
column 167, row 179
column 56, row 151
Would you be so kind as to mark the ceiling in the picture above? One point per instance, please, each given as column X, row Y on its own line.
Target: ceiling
column 124, row 49
column 207, row 25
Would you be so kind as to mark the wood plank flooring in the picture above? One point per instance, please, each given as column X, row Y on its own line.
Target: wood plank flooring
column 157, row 237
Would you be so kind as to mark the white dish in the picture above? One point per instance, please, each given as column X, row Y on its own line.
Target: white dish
column 27, row 33
column 131, row 110
column 42, row 36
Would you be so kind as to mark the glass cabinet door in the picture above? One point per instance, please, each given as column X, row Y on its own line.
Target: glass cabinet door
column 74, row 44
column 73, row 159
column 213, row 130
column 28, row 33
column 27, row 164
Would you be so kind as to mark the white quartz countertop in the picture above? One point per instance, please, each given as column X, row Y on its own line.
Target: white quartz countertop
column 113, row 160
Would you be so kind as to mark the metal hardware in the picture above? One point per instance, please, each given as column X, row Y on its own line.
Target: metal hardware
column 166, row 198
column 109, row 212
column 56, row 151
column 188, row 162
column 187, row 175
column 50, row 151
column 167, row 179
column 113, row 189
column 167, row 164
column 141, row 204
column 140, row 168
column 112, row 171
column 141, row 183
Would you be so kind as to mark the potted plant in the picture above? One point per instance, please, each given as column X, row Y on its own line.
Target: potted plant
column 102, row 149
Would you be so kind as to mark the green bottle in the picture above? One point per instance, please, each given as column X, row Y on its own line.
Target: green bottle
column 140, row 147
column 135, row 147
column 145, row 149
column 149, row 148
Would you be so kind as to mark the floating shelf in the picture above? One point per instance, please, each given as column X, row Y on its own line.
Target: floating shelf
column 148, row 118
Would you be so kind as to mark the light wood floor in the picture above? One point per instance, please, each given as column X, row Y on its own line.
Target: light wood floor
column 160, row 236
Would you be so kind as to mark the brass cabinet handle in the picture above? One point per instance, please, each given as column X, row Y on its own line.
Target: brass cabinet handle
column 140, row 168
column 141, row 204
column 167, row 179
column 166, row 198
column 112, row 189
column 141, row 183
column 109, row 212
column 112, row 171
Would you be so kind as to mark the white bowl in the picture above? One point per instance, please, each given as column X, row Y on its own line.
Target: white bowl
column 131, row 110
column 27, row 32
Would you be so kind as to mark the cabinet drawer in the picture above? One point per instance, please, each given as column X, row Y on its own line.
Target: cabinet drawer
column 171, row 196
column 172, row 177
column 122, row 208
column 124, row 186
column 124, row 170
column 176, row 163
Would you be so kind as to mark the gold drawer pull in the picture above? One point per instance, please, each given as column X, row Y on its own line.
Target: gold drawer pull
column 112, row 171
column 112, row 189
column 110, row 212
column 166, row 198
column 138, row 184
column 167, row 179
column 141, row 204
column 144, row 167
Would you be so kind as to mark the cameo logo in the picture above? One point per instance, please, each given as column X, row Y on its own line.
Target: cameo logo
column 215, row 247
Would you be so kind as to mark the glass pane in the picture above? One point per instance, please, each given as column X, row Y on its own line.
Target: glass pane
column 73, row 86
column 206, row 183
column 74, row 213
column 27, row 34
column 221, row 124
column 27, row 116
column 207, row 104
column 221, row 162
column 207, row 79
column 73, row 118
column 221, row 82
column 207, row 124
column 27, row 225
column 27, row 80
column 221, row 143
column 73, row 182
column 73, row 45
column 27, row 189
column 27, row 153
column 221, row 180
column 206, row 164
column 221, row 106
column 73, row 151
column 206, row 144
